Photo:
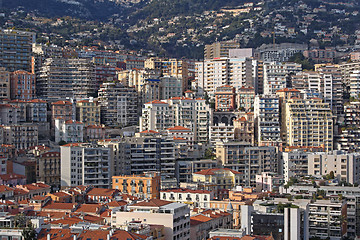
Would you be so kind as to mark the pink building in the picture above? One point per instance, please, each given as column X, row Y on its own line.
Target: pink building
column 22, row 85
column 225, row 98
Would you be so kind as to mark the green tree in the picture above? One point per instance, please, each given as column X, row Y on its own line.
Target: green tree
column 29, row 233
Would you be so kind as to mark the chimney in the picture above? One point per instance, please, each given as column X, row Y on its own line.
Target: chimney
column 74, row 237
column 48, row 237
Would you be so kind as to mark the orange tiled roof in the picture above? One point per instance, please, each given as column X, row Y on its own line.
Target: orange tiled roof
column 156, row 102
column 288, row 90
column 62, row 103
column 73, row 122
column 198, row 219
column 149, row 131
column 89, row 208
column 181, row 128
column 11, row 176
column 102, row 192
column 60, row 206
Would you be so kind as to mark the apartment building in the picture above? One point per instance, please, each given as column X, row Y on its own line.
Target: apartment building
column 278, row 52
column 327, row 219
column 181, row 132
column 170, row 87
column 9, row 114
column 48, row 169
column 16, row 49
column 119, row 105
column 88, row 112
column 216, row 179
column 219, row 49
column 193, row 114
column 327, row 82
column 344, row 165
column 21, row 136
column 237, row 72
column 36, row 111
column 247, row 160
column 70, row 131
column 309, row 122
column 63, row 110
column 244, row 128
column 352, row 114
column 185, row 169
column 4, row 84
column 143, row 186
column 22, row 85
column 267, row 120
column 149, row 153
column 193, row 198
column 295, row 164
column 225, row 98
column 204, row 222
column 61, row 78
column 350, row 73
column 245, row 99
column 276, row 75
column 86, row 164
column 221, row 132
column 174, row 216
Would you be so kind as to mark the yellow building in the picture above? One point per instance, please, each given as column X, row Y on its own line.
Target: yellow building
column 309, row 122
column 142, row 186
column 88, row 112
column 215, row 179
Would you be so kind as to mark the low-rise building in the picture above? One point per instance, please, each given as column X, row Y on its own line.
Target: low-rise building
column 194, row 198
column 174, row 216
column 48, row 169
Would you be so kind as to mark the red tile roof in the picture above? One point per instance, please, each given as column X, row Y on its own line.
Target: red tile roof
column 4, row 188
column 11, row 176
column 156, row 102
column 288, row 90
column 179, row 128
column 62, row 103
column 149, row 131
column 89, row 208
column 198, row 219
column 59, row 206
column 73, row 122
column 104, row 192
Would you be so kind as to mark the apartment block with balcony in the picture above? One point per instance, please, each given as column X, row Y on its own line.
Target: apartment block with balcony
column 48, row 169
column 63, row 110
column 70, row 131
column 119, row 105
column 4, row 84
column 22, row 85
column 245, row 99
column 276, row 75
column 21, row 136
column 193, row 114
column 145, row 185
column 174, row 216
column 9, row 114
column 16, row 49
column 249, row 161
column 267, row 120
column 327, row 219
column 295, row 164
column 225, row 98
column 86, row 164
column 221, row 132
column 244, row 128
column 88, row 112
column 308, row 122
column 219, row 49
column 345, row 166
column 62, row 78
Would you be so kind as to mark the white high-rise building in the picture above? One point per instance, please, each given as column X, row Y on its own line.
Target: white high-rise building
column 193, row 114
column 276, row 75
column 86, row 164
